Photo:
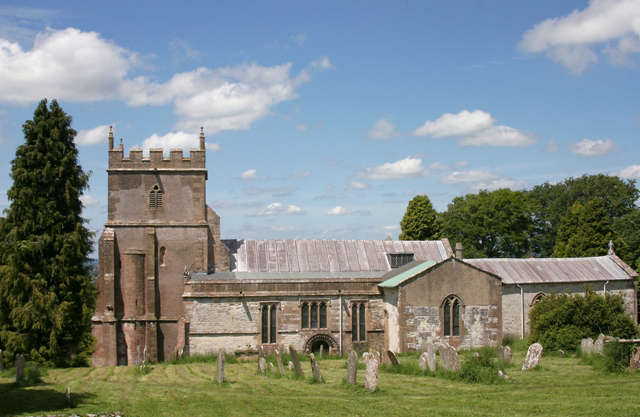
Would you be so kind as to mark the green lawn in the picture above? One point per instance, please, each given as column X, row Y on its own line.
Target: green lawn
column 562, row 387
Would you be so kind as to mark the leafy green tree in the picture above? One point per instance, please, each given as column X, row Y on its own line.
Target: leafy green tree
column 585, row 231
column 553, row 201
column 419, row 221
column 491, row 224
column 561, row 321
column 46, row 299
column 627, row 238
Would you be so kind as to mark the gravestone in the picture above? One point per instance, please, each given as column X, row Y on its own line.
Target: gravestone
column 431, row 357
column 315, row 369
column 1, row 361
column 533, row 356
column 504, row 354
column 19, row 367
column 260, row 352
column 321, row 351
column 393, row 358
column 634, row 361
column 422, row 361
column 262, row 365
column 586, row 345
column 68, row 396
column 377, row 356
column 220, row 366
column 352, row 367
column 449, row 358
column 598, row 344
column 290, row 366
column 296, row 361
column 371, row 373
column 279, row 361
column 36, row 372
column 272, row 368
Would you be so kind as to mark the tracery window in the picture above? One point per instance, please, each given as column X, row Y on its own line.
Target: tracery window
column 313, row 315
column 155, row 198
column 539, row 296
column 451, row 315
column 358, row 322
column 269, row 323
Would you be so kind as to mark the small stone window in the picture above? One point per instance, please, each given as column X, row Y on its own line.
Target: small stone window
column 451, row 316
column 162, row 258
column 400, row 259
column 155, row 198
column 539, row 296
column 269, row 326
column 313, row 315
column 358, row 322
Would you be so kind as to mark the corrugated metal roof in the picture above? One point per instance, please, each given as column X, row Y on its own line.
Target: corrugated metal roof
column 397, row 277
column 549, row 270
column 246, row 255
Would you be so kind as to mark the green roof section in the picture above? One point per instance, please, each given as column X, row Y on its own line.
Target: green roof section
column 394, row 278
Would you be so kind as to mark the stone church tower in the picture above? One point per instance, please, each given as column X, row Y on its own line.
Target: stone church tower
column 159, row 229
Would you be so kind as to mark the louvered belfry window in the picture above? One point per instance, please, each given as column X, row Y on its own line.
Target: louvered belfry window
column 155, row 198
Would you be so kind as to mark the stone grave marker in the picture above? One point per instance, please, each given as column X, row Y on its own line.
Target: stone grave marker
column 533, row 356
column 431, row 357
column 296, row 361
column 279, row 361
column 504, row 354
column 352, row 367
column 393, row 358
column 586, row 345
column 220, row 366
column 449, row 358
column 598, row 344
column 422, row 361
column 634, row 361
column 290, row 366
column 371, row 373
column 19, row 367
column 321, row 354
column 260, row 352
column 272, row 368
column 315, row 369
column 262, row 365
column 68, row 396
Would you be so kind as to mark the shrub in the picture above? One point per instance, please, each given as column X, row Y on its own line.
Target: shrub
column 560, row 321
column 616, row 356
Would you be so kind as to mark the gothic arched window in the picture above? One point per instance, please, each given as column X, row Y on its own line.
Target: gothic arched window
column 451, row 316
column 155, row 198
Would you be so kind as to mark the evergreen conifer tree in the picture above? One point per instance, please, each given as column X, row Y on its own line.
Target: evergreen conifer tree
column 584, row 231
column 419, row 221
column 46, row 297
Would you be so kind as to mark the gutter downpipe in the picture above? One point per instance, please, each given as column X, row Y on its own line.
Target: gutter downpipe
column 340, row 299
column 521, row 310
column 604, row 290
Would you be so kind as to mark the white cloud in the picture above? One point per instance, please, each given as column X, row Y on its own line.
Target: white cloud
column 356, row 185
column 249, row 174
column 322, row 64
column 274, row 209
column 630, row 172
column 481, row 180
column 404, row 168
column 588, row 147
column 299, row 38
column 475, row 128
column 294, row 210
column 94, row 136
column 383, row 129
column 392, row 229
column 338, row 211
column 89, row 201
column 213, row 147
column 574, row 40
column 176, row 140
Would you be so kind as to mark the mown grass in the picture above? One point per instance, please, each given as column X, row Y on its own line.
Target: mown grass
column 563, row 386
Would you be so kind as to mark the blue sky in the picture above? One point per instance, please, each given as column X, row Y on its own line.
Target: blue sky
column 323, row 119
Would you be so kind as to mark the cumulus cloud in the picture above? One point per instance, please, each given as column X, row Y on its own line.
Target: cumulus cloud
column 94, row 136
column 249, row 175
column 610, row 27
column 404, row 168
column 392, row 229
column 274, row 209
column 475, row 128
column 356, row 185
column 630, row 172
column 588, row 148
column 322, row 64
column 481, row 180
column 89, row 201
column 338, row 211
column 383, row 129
column 176, row 140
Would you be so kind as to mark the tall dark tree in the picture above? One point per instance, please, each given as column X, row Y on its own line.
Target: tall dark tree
column 555, row 200
column 584, row 231
column 419, row 221
column 46, row 298
column 490, row 224
column 626, row 230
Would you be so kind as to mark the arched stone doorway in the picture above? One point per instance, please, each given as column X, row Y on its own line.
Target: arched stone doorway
column 314, row 342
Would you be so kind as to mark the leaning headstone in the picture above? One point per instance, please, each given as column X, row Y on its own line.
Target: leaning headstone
column 1, row 361
column 321, row 351
column 290, row 366
column 431, row 357
column 449, row 358
column 279, row 362
column 262, row 365
column 19, row 367
column 315, row 369
column 598, row 344
column 220, row 366
column 260, row 352
column 586, row 345
column 634, row 361
column 422, row 361
column 504, row 354
column 272, row 368
column 533, row 356
column 352, row 367
column 371, row 373
column 296, row 361
column 393, row 358
column 68, row 396
column 378, row 357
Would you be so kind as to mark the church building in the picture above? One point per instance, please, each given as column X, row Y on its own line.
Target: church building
column 169, row 285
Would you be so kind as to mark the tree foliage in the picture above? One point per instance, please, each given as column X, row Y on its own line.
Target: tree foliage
column 584, row 231
column 491, row 224
column 627, row 232
column 46, row 299
column 419, row 221
column 561, row 321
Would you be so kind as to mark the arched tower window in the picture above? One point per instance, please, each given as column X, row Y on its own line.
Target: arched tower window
column 155, row 198
column 451, row 316
column 162, row 258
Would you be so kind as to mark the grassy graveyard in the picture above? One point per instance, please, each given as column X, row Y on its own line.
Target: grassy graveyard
column 560, row 386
